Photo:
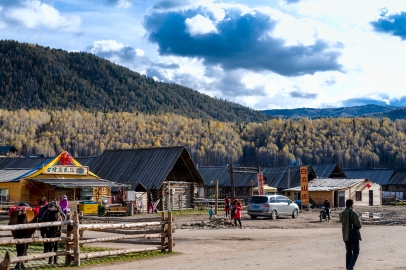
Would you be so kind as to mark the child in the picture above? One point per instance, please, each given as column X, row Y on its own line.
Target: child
column 237, row 213
column 210, row 212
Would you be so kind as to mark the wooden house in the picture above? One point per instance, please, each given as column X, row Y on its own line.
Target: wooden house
column 167, row 172
column 337, row 190
column 28, row 179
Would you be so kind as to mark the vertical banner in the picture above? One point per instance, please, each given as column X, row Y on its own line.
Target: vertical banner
column 304, row 185
column 260, row 184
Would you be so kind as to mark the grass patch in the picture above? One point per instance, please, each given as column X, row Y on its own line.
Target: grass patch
column 43, row 264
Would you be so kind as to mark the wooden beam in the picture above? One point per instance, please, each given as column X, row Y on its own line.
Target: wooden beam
column 39, row 256
column 115, row 238
column 34, row 240
column 122, row 219
column 131, row 232
column 34, row 225
column 119, row 226
column 117, row 252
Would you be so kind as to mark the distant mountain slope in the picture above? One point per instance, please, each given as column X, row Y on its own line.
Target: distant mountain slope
column 398, row 113
column 358, row 111
column 35, row 77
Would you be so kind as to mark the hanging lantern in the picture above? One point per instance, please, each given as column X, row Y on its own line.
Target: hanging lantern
column 66, row 159
column 368, row 185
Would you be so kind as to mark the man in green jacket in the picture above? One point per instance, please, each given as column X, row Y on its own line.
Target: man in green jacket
column 352, row 247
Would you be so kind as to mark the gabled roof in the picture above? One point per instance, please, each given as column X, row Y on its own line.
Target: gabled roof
column 13, row 175
column 148, row 166
column 329, row 184
column 4, row 149
column 328, row 171
column 398, row 179
column 378, row 176
column 212, row 173
column 86, row 161
column 285, row 176
column 23, row 163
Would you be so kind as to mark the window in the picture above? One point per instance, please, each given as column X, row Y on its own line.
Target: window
column 358, row 195
column 259, row 200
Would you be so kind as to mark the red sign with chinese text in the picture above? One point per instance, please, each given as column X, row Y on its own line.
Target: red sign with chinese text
column 304, row 185
column 260, row 184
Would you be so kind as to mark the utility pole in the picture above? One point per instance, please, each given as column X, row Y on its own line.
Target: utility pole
column 232, row 182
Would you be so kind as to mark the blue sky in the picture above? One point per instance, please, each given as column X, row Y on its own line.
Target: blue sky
column 264, row 54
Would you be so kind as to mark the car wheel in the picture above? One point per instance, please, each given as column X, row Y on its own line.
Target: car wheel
column 253, row 217
column 295, row 213
column 274, row 215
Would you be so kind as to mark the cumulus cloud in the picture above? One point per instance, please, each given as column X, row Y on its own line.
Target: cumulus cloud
column 391, row 24
column 292, row 1
column 240, row 41
column 34, row 13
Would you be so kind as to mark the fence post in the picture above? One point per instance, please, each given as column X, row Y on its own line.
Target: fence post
column 162, row 232
column 76, row 237
column 68, row 245
column 170, row 238
column 81, row 222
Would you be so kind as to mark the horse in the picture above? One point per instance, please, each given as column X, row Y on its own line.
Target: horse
column 52, row 213
column 22, row 214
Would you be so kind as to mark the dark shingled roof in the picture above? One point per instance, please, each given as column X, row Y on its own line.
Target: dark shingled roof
column 378, row 176
column 278, row 176
column 23, row 163
column 212, row 173
column 328, row 171
column 147, row 166
column 398, row 179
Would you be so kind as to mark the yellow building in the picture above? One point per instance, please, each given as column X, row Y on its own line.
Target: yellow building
column 53, row 178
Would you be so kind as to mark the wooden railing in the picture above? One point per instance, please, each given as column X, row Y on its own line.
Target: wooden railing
column 73, row 240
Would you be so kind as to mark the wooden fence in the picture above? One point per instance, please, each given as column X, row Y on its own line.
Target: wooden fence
column 73, row 240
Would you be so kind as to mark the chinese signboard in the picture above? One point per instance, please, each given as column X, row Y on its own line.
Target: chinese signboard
column 58, row 169
column 260, row 184
column 304, row 185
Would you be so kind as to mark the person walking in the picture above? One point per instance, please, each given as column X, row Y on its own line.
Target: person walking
column 227, row 206
column 350, row 221
column 237, row 213
column 150, row 204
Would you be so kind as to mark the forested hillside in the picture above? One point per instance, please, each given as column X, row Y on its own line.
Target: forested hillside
column 35, row 77
column 352, row 143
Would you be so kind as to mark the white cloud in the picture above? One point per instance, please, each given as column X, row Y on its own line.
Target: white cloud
column 139, row 52
column 106, row 46
column 32, row 14
column 124, row 4
column 200, row 25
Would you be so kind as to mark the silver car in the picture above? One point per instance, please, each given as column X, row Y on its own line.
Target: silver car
column 272, row 206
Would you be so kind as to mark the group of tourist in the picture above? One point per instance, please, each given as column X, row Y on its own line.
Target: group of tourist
column 233, row 211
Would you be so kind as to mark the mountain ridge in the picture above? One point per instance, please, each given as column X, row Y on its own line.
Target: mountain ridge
column 369, row 110
column 37, row 77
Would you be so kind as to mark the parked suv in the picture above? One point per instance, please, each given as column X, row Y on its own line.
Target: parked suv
column 272, row 206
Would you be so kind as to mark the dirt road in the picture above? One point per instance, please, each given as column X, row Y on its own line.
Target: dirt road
column 304, row 243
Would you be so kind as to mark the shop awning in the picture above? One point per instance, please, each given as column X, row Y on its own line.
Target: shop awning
column 266, row 189
column 77, row 183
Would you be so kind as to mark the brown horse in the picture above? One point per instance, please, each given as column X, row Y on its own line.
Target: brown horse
column 22, row 214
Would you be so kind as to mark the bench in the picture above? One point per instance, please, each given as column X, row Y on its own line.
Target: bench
column 116, row 210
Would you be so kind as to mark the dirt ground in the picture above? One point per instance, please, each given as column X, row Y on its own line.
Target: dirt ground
column 285, row 243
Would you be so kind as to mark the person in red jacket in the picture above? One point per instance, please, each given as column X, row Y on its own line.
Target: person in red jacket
column 227, row 206
column 237, row 213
